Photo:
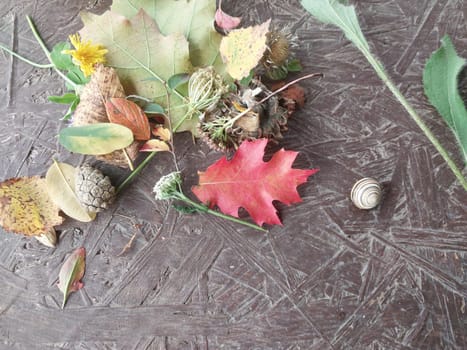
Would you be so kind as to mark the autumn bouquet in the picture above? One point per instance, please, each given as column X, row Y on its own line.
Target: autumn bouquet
column 141, row 72
column 137, row 75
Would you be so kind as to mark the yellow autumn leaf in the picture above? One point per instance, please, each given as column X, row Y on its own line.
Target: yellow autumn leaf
column 242, row 49
column 25, row 206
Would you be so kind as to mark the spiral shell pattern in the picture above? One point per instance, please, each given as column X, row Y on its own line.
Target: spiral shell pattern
column 366, row 193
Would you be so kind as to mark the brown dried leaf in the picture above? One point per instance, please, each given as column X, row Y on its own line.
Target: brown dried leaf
column 155, row 146
column 294, row 93
column 104, row 84
column 129, row 114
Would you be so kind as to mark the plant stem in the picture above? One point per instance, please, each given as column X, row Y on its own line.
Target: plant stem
column 24, row 59
column 205, row 209
column 47, row 53
column 135, row 172
column 379, row 69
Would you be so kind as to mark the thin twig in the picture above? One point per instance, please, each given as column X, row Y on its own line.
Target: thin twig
column 237, row 117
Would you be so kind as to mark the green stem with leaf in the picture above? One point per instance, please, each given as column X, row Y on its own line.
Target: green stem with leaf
column 204, row 209
column 380, row 71
column 342, row 15
column 47, row 53
column 24, row 59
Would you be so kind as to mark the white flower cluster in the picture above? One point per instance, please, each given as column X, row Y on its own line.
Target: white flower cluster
column 168, row 186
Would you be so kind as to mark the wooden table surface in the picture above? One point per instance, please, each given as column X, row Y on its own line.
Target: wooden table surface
column 332, row 277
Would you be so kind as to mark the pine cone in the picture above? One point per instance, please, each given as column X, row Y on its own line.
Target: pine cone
column 94, row 190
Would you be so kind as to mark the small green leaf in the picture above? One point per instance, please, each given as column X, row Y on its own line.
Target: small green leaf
column 77, row 76
column 294, row 66
column 99, row 138
column 71, row 109
column 64, row 99
column 178, row 79
column 71, row 273
column 60, row 180
column 153, row 108
column 60, row 60
column 440, row 83
column 247, row 80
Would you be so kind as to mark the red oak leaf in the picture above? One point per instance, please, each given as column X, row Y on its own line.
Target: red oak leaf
column 249, row 182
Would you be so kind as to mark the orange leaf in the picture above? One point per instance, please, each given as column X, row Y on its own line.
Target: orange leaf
column 162, row 133
column 247, row 181
column 155, row 146
column 127, row 113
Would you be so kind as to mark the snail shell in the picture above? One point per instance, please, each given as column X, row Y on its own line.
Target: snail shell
column 366, row 193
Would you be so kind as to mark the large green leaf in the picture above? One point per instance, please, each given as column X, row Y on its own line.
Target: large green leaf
column 336, row 12
column 193, row 18
column 440, row 83
column 144, row 58
column 98, row 138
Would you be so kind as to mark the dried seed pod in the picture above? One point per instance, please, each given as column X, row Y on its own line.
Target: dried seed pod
column 226, row 127
column 93, row 189
column 278, row 54
column 205, row 88
column 366, row 193
column 277, row 50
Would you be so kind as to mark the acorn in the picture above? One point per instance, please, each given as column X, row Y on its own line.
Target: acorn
column 94, row 190
column 366, row 193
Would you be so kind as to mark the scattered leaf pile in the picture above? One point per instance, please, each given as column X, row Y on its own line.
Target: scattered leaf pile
column 146, row 69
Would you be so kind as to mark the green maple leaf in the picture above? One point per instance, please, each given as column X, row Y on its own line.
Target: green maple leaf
column 193, row 18
column 143, row 57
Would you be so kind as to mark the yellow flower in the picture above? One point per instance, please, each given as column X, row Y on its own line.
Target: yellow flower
column 85, row 54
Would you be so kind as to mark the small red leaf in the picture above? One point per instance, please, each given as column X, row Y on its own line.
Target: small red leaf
column 225, row 21
column 71, row 273
column 127, row 113
column 155, row 146
column 247, row 181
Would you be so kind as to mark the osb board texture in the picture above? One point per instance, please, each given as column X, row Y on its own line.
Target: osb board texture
column 332, row 277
